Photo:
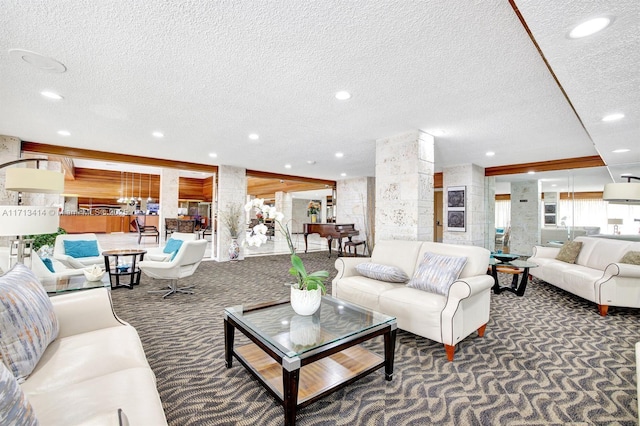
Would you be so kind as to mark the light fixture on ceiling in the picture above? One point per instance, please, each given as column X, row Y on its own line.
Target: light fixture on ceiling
column 213, row 155
column 37, row 60
column 613, row 117
column 622, row 193
column 343, row 174
column 590, row 27
column 490, row 154
column 51, row 95
column 343, row 95
column 64, row 133
column 339, row 155
column 531, row 172
column 120, row 200
column 254, row 136
column 139, row 187
column 125, row 199
column 287, row 166
column 621, row 150
column 22, row 179
column 149, row 193
column 158, row 134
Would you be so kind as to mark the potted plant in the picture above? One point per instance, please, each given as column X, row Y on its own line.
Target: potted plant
column 307, row 291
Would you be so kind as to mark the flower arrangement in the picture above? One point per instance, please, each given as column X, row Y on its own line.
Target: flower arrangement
column 313, row 207
column 305, row 280
column 231, row 219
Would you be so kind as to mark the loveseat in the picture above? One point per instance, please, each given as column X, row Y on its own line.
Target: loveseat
column 78, row 250
column 597, row 274
column 446, row 318
column 86, row 366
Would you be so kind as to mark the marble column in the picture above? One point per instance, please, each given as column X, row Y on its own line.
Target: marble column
column 490, row 203
column 471, row 178
column 404, row 187
column 357, row 206
column 525, row 216
column 232, row 190
column 9, row 151
column 169, row 194
column 284, row 204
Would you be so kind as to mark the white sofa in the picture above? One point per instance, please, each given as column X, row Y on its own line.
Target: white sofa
column 445, row 319
column 596, row 275
column 60, row 254
column 95, row 366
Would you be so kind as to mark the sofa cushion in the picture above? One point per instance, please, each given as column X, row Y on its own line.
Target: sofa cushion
column 377, row 271
column 437, row 272
column 27, row 321
column 569, row 251
column 363, row 291
column 14, row 408
column 81, row 248
column 631, row 257
column 48, row 263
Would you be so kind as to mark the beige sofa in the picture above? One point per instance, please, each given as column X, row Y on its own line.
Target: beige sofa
column 445, row 319
column 94, row 367
column 596, row 275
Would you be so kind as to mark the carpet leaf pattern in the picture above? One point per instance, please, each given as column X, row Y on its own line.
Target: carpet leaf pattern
column 547, row 358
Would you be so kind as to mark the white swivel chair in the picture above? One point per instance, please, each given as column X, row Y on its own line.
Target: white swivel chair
column 158, row 253
column 60, row 254
column 184, row 264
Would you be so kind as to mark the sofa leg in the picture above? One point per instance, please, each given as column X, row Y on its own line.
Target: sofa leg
column 481, row 330
column 603, row 309
column 449, row 350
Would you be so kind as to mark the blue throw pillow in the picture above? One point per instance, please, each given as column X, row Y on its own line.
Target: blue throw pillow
column 172, row 246
column 48, row 263
column 81, row 248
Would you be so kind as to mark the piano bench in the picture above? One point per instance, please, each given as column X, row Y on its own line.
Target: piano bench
column 349, row 244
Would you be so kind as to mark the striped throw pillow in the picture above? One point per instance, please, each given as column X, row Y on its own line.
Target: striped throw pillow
column 15, row 410
column 27, row 321
column 437, row 272
column 380, row 272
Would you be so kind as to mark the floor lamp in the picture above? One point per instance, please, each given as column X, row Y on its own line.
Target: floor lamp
column 29, row 220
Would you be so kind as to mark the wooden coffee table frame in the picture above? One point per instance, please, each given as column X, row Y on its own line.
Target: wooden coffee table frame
column 311, row 376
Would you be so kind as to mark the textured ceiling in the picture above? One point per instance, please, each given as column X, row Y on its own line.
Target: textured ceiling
column 208, row 73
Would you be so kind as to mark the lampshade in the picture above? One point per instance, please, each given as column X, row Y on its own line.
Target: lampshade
column 614, row 221
column 28, row 220
column 34, row 180
column 622, row 193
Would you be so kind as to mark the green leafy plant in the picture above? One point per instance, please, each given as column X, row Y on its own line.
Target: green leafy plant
column 307, row 281
column 45, row 239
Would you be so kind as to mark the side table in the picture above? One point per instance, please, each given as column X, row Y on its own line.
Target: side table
column 123, row 265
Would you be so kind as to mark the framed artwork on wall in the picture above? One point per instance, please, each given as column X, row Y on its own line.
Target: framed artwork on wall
column 456, row 205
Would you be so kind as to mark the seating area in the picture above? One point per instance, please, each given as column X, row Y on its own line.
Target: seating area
column 145, row 230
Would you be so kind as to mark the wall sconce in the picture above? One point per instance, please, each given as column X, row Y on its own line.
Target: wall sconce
column 622, row 193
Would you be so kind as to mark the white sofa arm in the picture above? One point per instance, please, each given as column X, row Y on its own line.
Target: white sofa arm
column 545, row 252
column 467, row 287
column 68, row 261
column 346, row 266
column 622, row 270
column 83, row 311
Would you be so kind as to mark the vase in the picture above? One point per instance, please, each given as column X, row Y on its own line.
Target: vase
column 234, row 250
column 305, row 302
column 314, row 218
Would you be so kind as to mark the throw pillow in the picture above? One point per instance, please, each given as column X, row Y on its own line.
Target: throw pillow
column 48, row 263
column 569, row 251
column 437, row 272
column 122, row 418
column 14, row 408
column 81, row 248
column 27, row 321
column 380, row 272
column 172, row 247
column 631, row 257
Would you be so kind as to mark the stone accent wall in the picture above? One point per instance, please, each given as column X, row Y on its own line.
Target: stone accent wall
column 232, row 189
column 169, row 192
column 404, row 187
column 490, row 203
column 356, row 204
column 284, row 204
column 9, row 151
column 472, row 178
column 525, row 216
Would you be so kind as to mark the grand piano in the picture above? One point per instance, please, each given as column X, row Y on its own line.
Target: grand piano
column 330, row 231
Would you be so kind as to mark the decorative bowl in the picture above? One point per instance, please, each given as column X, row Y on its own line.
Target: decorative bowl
column 505, row 257
column 93, row 274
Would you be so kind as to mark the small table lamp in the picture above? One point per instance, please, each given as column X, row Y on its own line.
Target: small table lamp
column 615, row 223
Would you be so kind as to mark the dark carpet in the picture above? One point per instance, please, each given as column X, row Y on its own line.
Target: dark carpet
column 546, row 358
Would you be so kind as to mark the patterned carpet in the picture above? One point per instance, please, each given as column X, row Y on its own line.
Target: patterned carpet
column 546, row 358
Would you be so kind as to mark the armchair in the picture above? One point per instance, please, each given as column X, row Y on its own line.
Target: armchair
column 170, row 226
column 78, row 251
column 184, row 264
column 145, row 230
column 159, row 254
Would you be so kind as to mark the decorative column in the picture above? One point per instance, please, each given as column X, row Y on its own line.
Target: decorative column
column 232, row 190
column 464, row 201
column 284, row 204
column 357, row 206
column 525, row 217
column 9, row 151
column 169, row 194
column 404, row 187
column 490, row 203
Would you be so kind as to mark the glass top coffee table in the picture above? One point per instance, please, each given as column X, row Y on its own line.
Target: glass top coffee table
column 59, row 285
column 511, row 266
column 300, row 359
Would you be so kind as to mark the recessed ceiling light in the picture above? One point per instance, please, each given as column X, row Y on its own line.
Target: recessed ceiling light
column 554, row 185
column 339, row 155
column 490, row 154
column 158, row 134
column 287, row 166
column 621, row 150
column 37, row 60
column 51, row 95
column 64, row 133
column 343, row 174
column 213, row 155
column 343, row 95
column 254, row 136
column 311, row 162
column 625, row 174
column 613, row 117
column 589, row 27
column 531, row 172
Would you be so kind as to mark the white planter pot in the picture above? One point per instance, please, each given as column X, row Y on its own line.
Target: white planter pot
column 305, row 302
